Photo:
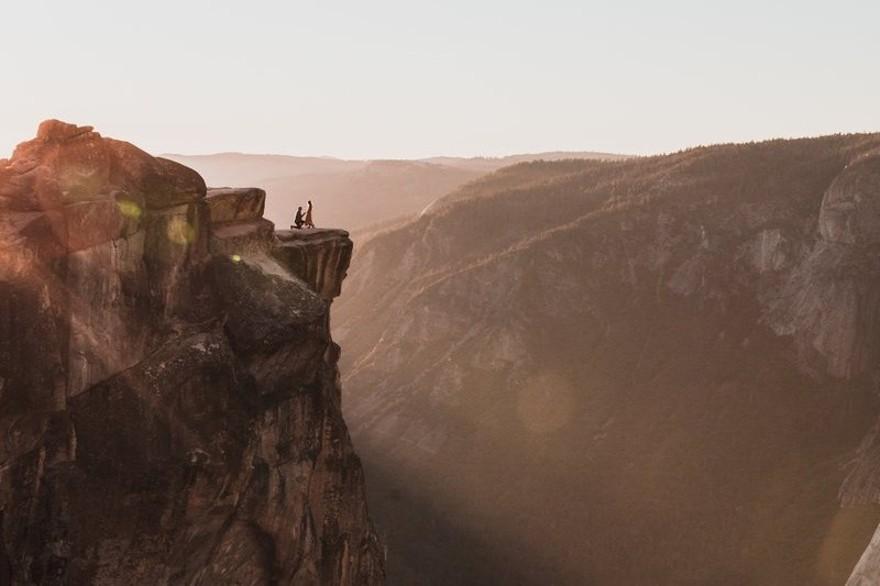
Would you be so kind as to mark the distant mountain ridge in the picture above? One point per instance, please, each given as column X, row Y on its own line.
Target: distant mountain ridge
column 489, row 164
column 353, row 194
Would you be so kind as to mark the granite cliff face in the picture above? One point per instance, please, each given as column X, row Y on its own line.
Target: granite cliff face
column 169, row 391
column 655, row 371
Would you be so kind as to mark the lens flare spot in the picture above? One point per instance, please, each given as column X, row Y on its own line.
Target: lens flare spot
column 129, row 209
column 180, row 231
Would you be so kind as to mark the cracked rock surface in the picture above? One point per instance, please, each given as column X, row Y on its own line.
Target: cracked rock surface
column 169, row 392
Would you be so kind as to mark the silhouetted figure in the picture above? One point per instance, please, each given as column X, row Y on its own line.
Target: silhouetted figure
column 298, row 220
column 309, row 222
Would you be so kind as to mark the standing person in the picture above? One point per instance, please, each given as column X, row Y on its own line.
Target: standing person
column 309, row 222
column 298, row 221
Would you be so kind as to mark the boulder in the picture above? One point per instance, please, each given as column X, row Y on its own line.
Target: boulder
column 264, row 306
column 236, row 205
column 66, row 164
column 58, row 131
column 169, row 184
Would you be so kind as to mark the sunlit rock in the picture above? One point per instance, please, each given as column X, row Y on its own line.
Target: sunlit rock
column 236, row 205
column 169, row 390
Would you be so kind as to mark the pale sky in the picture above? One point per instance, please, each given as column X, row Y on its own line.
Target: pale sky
column 371, row 79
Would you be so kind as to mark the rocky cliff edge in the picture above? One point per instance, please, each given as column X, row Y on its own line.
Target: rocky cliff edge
column 169, row 391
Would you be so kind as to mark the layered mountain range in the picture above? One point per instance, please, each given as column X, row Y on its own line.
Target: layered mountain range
column 357, row 194
column 660, row 370
column 169, row 392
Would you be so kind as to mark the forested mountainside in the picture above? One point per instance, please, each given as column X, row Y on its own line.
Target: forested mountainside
column 661, row 370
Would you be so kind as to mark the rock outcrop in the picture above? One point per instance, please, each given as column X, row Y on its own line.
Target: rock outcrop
column 236, row 205
column 319, row 257
column 169, row 391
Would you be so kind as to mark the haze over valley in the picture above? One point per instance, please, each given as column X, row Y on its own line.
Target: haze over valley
column 355, row 194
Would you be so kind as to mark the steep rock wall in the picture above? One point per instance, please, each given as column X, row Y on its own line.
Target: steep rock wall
column 169, row 391
column 319, row 257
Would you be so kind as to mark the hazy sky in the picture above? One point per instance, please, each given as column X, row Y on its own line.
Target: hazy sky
column 411, row 78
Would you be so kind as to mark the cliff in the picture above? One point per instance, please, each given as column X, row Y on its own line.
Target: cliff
column 169, row 391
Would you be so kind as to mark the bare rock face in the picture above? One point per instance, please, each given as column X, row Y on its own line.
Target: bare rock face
column 319, row 257
column 829, row 302
column 236, row 205
column 169, row 396
column 850, row 211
